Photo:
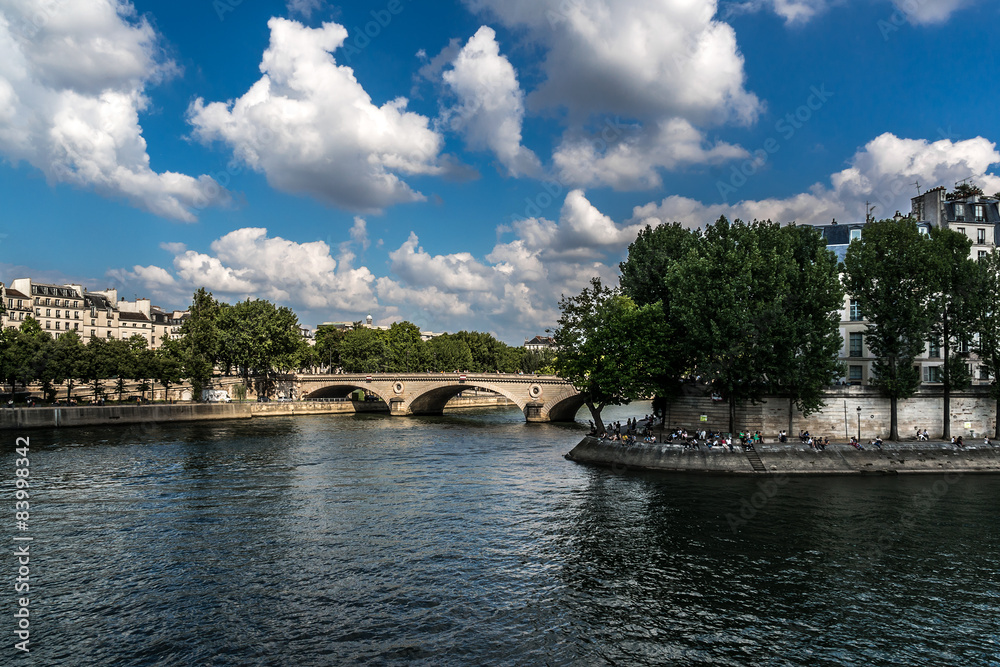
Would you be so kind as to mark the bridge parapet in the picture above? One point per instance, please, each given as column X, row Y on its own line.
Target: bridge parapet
column 542, row 398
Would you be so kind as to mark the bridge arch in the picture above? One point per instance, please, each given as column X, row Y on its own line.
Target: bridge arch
column 566, row 409
column 432, row 400
column 344, row 389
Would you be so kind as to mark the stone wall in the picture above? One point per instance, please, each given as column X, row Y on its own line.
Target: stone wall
column 924, row 411
column 788, row 459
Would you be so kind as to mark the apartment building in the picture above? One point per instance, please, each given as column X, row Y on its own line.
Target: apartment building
column 99, row 314
column 977, row 217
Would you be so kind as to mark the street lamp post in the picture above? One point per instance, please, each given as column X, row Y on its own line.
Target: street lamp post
column 859, row 423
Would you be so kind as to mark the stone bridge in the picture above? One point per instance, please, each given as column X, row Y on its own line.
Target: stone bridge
column 542, row 398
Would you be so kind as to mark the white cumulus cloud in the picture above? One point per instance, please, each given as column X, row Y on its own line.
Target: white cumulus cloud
column 73, row 77
column 490, row 108
column 311, row 128
column 884, row 173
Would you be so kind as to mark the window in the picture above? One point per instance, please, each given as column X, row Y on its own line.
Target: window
column 960, row 230
column 854, row 373
column 76, row 315
column 855, row 348
column 48, row 325
column 57, row 314
column 935, row 350
column 959, row 211
column 977, row 209
column 963, row 348
column 57, row 326
column 47, row 302
column 855, row 234
column 855, row 311
column 980, row 236
column 984, row 373
column 76, row 326
column 109, row 334
column 93, row 323
column 153, row 341
column 982, row 254
column 48, row 312
column 932, row 373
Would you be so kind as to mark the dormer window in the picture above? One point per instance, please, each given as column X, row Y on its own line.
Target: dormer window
column 855, row 234
column 979, row 212
column 959, row 211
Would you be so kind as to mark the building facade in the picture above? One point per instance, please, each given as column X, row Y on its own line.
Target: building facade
column 977, row 217
column 100, row 314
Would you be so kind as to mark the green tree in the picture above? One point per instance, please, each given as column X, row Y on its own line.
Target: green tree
column 810, row 332
column 644, row 279
column 607, row 347
column 731, row 295
column 405, row 348
column 98, row 364
column 67, row 362
column 27, row 354
column 955, row 280
column 168, row 365
column 538, row 361
column 886, row 272
column 261, row 340
column 449, row 352
column 202, row 340
column 987, row 325
column 964, row 191
column 328, row 341
column 364, row 351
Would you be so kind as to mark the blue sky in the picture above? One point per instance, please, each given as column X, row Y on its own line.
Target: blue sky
column 465, row 162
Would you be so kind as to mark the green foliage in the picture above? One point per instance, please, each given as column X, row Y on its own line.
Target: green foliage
column 364, row 351
column 964, row 191
column 260, row 340
column 202, row 338
column 328, row 340
column 810, row 332
column 650, row 258
column 987, row 323
column 449, row 352
column 607, row 347
column 887, row 272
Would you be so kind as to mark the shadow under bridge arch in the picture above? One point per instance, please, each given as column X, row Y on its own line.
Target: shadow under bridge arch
column 343, row 390
column 432, row 401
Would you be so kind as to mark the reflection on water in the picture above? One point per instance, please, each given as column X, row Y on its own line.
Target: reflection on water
column 468, row 539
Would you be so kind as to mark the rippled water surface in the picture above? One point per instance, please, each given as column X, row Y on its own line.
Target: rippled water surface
column 468, row 539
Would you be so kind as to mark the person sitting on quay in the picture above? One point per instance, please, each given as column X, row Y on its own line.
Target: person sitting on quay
column 877, row 442
column 959, row 443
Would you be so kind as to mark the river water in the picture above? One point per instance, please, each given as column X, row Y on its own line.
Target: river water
column 468, row 539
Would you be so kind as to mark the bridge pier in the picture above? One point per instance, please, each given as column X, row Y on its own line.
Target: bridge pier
column 397, row 408
column 533, row 413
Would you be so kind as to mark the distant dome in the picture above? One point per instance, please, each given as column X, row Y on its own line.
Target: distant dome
column 369, row 318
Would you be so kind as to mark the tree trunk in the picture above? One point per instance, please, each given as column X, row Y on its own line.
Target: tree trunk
column 732, row 415
column 595, row 412
column 791, row 408
column 946, row 376
column 893, row 429
column 996, row 422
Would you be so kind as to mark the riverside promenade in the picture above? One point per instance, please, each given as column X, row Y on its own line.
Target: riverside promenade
column 895, row 458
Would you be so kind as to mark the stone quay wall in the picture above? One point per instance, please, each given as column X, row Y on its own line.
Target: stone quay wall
column 973, row 414
column 893, row 459
column 109, row 415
